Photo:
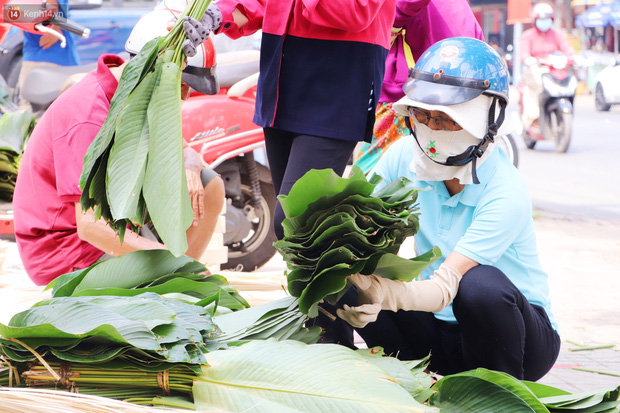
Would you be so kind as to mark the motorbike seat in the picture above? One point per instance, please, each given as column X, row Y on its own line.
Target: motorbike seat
column 235, row 66
column 43, row 84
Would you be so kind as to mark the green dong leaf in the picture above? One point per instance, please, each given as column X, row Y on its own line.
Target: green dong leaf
column 165, row 184
column 127, row 161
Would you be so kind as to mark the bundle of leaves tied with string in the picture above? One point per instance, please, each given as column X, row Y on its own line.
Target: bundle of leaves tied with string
column 336, row 227
column 133, row 171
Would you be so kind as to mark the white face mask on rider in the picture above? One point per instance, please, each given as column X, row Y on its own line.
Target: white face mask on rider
column 544, row 24
column 438, row 145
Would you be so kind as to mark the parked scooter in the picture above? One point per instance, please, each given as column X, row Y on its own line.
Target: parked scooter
column 559, row 86
column 220, row 128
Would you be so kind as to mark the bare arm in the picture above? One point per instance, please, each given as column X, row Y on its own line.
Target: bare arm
column 193, row 169
column 99, row 234
column 460, row 262
column 239, row 18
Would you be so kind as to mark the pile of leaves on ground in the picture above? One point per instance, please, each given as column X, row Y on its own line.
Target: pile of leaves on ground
column 133, row 170
column 336, row 227
column 15, row 129
column 153, row 329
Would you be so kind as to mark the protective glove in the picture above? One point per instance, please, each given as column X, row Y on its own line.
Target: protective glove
column 378, row 293
column 198, row 31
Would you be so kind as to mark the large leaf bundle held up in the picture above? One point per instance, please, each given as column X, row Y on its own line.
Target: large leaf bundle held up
column 15, row 129
column 336, row 227
column 133, row 171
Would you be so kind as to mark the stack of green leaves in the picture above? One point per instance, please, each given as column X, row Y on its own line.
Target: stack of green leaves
column 148, row 328
column 484, row 390
column 149, row 306
column 15, row 129
column 133, row 171
column 150, row 271
column 336, row 227
column 260, row 376
column 114, row 379
column 279, row 319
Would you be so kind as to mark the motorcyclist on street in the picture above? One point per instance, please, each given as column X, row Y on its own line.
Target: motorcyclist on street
column 537, row 43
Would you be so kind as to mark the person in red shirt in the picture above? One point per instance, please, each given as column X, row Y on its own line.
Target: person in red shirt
column 54, row 236
column 537, row 43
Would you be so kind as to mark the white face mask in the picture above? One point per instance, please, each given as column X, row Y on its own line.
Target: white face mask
column 544, row 24
column 438, row 145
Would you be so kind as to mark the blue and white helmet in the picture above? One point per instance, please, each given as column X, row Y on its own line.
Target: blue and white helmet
column 459, row 76
column 467, row 80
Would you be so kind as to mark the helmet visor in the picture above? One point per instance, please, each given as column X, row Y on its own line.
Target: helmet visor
column 441, row 89
column 201, row 79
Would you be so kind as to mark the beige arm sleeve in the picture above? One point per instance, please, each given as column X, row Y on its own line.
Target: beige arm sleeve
column 431, row 295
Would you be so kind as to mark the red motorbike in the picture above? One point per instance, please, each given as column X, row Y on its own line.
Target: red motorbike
column 220, row 128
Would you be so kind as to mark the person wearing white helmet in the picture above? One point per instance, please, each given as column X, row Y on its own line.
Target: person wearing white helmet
column 54, row 236
column 486, row 304
column 537, row 43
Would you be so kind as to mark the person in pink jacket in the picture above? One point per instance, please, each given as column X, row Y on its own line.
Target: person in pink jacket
column 418, row 24
column 321, row 70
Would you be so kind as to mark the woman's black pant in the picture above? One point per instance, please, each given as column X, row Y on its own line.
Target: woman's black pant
column 291, row 155
column 497, row 328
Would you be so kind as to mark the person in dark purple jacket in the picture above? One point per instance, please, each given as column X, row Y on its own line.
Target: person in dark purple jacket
column 321, row 71
column 418, row 24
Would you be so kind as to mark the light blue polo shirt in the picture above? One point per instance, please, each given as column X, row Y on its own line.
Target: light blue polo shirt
column 490, row 223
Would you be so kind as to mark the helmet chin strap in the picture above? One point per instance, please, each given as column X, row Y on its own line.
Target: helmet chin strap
column 472, row 153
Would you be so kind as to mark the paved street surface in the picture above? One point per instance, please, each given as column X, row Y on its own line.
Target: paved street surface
column 577, row 209
column 576, row 197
